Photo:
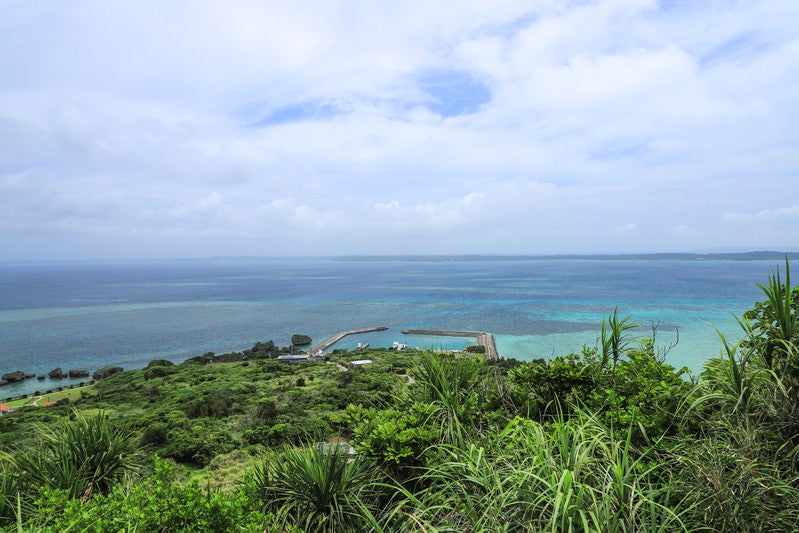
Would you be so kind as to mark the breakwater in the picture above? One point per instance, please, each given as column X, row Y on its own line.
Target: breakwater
column 327, row 343
column 482, row 338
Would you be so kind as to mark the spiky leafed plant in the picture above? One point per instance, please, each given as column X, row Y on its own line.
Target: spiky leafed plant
column 775, row 320
column 83, row 456
column 452, row 386
column 614, row 338
column 757, row 378
column 318, row 488
column 734, row 379
column 9, row 491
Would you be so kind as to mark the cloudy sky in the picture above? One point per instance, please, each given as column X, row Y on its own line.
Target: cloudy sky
column 194, row 128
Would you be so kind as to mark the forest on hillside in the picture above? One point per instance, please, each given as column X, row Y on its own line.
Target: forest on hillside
column 610, row 439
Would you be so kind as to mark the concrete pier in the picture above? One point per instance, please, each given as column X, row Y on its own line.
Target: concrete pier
column 327, row 343
column 482, row 338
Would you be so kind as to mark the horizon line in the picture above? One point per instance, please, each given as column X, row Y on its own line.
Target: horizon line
column 737, row 255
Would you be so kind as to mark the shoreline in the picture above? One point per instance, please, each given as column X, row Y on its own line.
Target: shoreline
column 698, row 343
column 80, row 317
column 74, row 384
column 34, row 386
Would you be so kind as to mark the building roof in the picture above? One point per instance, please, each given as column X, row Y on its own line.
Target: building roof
column 4, row 407
column 298, row 357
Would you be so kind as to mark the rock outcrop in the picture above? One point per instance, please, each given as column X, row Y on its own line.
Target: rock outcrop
column 14, row 377
column 300, row 340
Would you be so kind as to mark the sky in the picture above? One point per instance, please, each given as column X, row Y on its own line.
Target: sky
column 147, row 129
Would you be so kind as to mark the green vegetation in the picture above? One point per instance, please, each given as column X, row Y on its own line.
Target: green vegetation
column 608, row 439
column 106, row 372
column 318, row 488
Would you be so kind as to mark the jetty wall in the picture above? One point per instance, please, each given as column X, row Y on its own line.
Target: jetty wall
column 327, row 343
column 482, row 338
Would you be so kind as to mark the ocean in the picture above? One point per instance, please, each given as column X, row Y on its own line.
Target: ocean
column 94, row 314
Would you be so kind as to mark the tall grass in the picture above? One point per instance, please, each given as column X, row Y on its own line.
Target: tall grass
column 575, row 476
column 729, row 481
column 743, row 390
column 741, row 473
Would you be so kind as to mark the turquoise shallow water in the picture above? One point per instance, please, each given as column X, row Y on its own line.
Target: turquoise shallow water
column 92, row 315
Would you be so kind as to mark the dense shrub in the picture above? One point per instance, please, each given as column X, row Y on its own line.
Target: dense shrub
column 158, row 372
column 158, row 503
column 160, row 362
column 155, row 434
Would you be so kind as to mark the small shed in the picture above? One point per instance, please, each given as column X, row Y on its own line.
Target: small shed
column 360, row 362
column 5, row 409
column 292, row 358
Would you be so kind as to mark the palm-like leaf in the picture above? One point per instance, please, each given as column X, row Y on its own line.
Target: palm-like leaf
column 84, row 456
column 613, row 337
column 780, row 318
column 318, row 488
column 451, row 385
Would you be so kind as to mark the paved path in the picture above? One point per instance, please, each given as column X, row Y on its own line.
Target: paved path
column 339, row 366
column 35, row 401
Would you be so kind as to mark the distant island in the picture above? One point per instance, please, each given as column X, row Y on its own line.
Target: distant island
column 715, row 256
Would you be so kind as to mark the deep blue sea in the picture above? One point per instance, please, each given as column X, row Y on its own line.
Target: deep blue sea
column 89, row 315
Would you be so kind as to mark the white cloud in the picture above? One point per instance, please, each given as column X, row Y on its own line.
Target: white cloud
column 159, row 121
column 766, row 216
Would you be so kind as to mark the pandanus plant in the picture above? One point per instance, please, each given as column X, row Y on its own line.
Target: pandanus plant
column 775, row 320
column 452, row 386
column 84, row 456
column 318, row 488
